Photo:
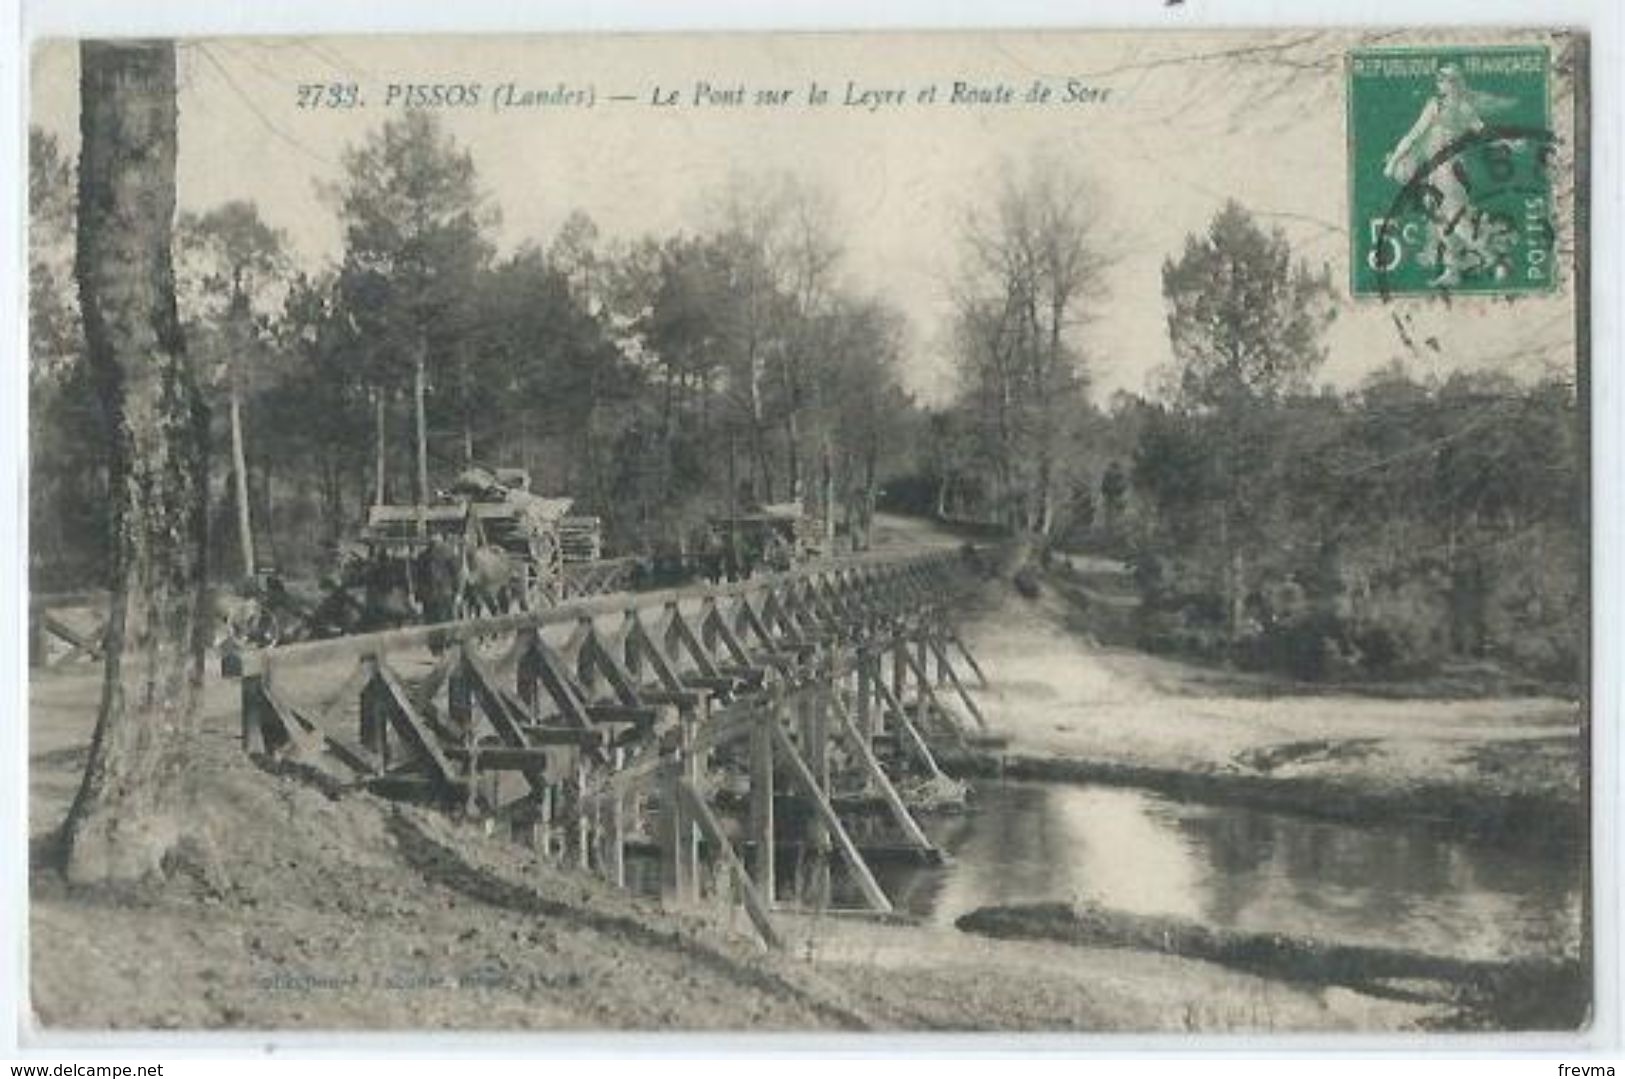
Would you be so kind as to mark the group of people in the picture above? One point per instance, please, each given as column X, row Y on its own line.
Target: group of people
column 371, row 589
column 721, row 554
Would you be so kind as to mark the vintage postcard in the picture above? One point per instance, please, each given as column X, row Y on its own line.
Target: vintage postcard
column 1061, row 531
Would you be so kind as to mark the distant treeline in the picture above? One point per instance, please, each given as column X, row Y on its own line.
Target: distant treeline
column 659, row 382
column 1383, row 533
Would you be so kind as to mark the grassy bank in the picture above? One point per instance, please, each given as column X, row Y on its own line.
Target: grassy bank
column 1548, row 993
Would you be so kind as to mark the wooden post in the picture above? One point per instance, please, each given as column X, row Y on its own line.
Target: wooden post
column 471, row 776
column 375, row 713
column 546, row 821
column 953, row 679
column 672, row 886
column 631, row 648
column 894, row 801
column 929, row 702
column 975, row 667
column 255, row 707
column 677, row 846
column 693, row 768
column 899, row 678
column 756, row 905
column 708, row 629
column 38, row 653
column 460, row 695
column 586, row 673
column 908, row 732
column 866, row 695
column 600, row 839
column 811, row 706
column 616, row 869
column 761, row 796
column 583, row 820
column 803, row 775
column 527, row 674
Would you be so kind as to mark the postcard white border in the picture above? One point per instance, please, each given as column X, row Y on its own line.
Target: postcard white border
column 80, row 18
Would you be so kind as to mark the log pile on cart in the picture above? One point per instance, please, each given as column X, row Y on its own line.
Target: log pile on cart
column 484, row 509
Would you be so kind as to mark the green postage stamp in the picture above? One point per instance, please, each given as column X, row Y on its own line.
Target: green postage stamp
column 1449, row 189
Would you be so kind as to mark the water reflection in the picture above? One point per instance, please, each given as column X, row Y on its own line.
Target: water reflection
column 1235, row 867
column 1227, row 866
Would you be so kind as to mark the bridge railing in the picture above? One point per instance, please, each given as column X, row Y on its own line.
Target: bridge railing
column 288, row 657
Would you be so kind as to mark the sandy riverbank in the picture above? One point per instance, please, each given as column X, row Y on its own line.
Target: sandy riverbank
column 1072, row 708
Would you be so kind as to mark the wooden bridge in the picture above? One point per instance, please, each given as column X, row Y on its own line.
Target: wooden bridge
column 740, row 731
column 66, row 628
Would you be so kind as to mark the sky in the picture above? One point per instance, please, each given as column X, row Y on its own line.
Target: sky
column 1175, row 125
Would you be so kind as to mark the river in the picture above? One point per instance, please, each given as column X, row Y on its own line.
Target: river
column 1395, row 885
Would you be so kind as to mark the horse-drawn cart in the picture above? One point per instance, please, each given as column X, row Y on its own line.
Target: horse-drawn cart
column 500, row 528
column 481, row 515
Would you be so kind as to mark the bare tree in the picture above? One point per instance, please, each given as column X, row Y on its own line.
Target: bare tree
column 778, row 233
column 1033, row 262
column 862, row 409
column 231, row 267
column 130, row 813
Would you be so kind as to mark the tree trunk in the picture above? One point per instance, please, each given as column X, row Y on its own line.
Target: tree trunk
column 381, row 447
column 267, row 504
column 131, row 811
column 419, row 388
column 733, row 507
column 867, row 508
column 332, row 501
column 758, row 417
column 465, row 408
column 524, row 446
column 1236, row 592
column 239, row 479
column 1046, row 498
column 827, row 463
column 792, row 456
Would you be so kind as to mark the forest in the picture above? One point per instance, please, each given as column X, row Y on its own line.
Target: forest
column 1415, row 521
column 656, row 382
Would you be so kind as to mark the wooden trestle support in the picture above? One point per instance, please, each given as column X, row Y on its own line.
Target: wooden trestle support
column 828, row 684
